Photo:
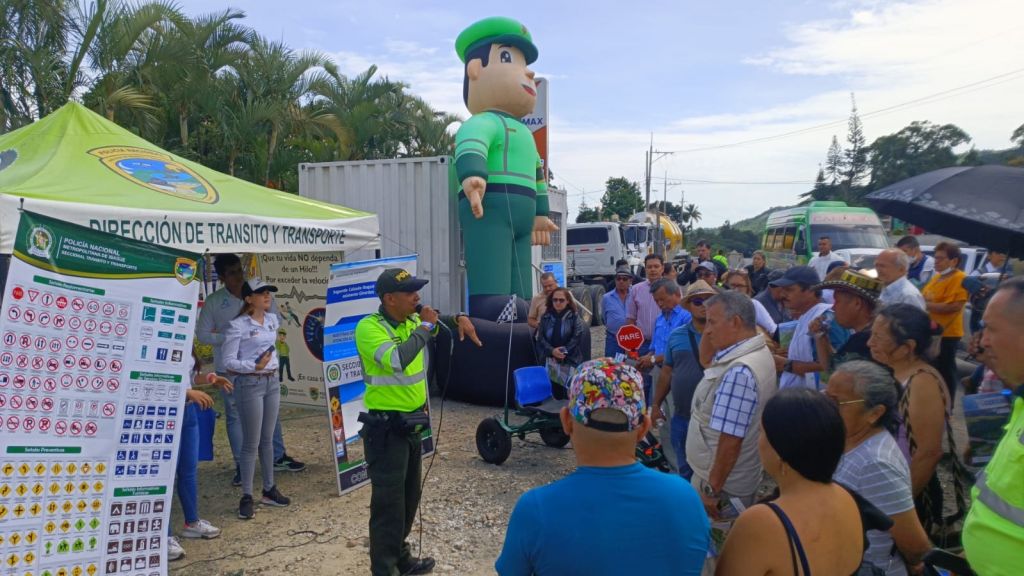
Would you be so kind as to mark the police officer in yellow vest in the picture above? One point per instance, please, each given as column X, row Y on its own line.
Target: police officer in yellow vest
column 993, row 535
column 390, row 344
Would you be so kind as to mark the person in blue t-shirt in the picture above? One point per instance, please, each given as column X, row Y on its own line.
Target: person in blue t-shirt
column 612, row 516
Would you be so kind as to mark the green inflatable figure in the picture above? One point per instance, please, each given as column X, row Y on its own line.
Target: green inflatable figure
column 503, row 201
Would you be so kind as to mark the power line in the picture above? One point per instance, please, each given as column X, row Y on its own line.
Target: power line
column 764, row 183
column 964, row 89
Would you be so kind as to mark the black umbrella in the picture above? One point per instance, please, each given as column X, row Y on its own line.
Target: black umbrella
column 981, row 205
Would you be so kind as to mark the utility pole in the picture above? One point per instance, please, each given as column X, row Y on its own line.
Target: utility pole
column 650, row 158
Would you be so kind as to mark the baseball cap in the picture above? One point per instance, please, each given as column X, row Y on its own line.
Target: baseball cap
column 398, row 280
column 254, row 285
column 775, row 275
column 623, row 271
column 797, row 275
column 857, row 283
column 698, row 288
column 709, row 266
column 607, row 395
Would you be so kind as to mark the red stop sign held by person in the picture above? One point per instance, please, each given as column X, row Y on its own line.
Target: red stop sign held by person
column 630, row 338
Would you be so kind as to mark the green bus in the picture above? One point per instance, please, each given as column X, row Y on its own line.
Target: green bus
column 791, row 235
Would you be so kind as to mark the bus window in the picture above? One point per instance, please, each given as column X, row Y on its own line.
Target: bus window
column 788, row 238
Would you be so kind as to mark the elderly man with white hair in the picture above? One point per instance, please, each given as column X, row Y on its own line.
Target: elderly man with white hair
column 891, row 267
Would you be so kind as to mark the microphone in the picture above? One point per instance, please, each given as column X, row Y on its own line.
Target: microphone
column 419, row 308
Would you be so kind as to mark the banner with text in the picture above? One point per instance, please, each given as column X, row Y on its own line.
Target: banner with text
column 301, row 279
column 351, row 296
column 93, row 372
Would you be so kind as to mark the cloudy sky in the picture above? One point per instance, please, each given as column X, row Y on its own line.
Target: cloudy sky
column 706, row 78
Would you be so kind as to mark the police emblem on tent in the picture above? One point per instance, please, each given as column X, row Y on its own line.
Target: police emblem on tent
column 157, row 171
column 185, row 270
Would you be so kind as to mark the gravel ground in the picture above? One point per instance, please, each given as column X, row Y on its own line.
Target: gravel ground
column 465, row 508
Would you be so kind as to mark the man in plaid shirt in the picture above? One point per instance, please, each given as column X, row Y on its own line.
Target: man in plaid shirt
column 725, row 422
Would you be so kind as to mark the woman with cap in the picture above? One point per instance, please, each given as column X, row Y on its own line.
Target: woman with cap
column 250, row 355
column 872, row 464
column 809, row 527
column 559, row 336
column 901, row 338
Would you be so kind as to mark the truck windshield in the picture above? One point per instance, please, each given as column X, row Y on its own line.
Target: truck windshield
column 594, row 235
column 635, row 234
column 850, row 235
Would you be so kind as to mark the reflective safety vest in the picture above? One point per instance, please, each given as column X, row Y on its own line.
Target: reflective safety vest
column 993, row 534
column 388, row 386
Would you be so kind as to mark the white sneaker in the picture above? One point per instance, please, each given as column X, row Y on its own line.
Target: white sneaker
column 174, row 550
column 200, row 529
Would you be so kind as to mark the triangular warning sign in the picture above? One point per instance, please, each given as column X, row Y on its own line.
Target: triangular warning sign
column 32, row 294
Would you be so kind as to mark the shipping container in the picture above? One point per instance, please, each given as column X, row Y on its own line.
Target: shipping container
column 414, row 200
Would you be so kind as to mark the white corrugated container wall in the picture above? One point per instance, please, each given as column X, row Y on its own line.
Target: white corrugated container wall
column 412, row 198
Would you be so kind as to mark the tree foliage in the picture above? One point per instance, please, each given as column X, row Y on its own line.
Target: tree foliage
column 206, row 87
column 587, row 214
column 855, row 158
column 621, row 197
column 916, row 149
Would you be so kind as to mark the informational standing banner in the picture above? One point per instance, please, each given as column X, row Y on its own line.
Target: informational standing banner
column 97, row 338
column 301, row 279
column 351, row 295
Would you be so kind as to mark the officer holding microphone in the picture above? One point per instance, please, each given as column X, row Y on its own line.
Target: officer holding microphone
column 390, row 344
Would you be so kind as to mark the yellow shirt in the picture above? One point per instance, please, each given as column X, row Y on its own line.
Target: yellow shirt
column 946, row 289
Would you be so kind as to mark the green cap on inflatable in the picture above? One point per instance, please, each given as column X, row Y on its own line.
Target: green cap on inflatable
column 496, row 30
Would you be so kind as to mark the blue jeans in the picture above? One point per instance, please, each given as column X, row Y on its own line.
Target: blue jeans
column 187, row 484
column 234, row 426
column 679, row 428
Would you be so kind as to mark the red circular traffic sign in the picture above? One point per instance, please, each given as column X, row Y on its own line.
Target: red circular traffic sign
column 629, row 337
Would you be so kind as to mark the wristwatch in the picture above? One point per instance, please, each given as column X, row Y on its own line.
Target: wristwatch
column 428, row 325
column 788, row 366
column 707, row 490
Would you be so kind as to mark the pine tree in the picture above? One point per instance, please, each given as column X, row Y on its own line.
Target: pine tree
column 856, row 156
column 834, row 162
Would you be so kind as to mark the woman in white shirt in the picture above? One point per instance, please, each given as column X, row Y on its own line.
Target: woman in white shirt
column 250, row 356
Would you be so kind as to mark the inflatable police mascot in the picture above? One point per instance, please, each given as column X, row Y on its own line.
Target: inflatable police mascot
column 503, row 204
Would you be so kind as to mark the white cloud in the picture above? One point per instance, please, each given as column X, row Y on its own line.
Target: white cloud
column 886, row 53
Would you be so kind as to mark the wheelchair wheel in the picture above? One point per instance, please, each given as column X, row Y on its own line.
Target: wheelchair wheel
column 554, row 437
column 492, row 441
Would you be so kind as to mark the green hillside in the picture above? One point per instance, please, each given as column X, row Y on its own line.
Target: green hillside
column 756, row 223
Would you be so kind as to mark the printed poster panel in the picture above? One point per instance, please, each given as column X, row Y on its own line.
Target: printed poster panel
column 97, row 333
column 351, row 296
column 301, row 279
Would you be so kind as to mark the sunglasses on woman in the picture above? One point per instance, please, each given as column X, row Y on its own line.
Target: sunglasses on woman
column 559, row 300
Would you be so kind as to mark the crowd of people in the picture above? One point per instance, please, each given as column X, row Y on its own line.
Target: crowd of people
column 838, row 384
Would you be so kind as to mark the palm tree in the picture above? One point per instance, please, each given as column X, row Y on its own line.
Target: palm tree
column 193, row 53
column 691, row 215
column 283, row 80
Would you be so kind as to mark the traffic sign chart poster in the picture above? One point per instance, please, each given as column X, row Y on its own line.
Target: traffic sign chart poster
column 96, row 351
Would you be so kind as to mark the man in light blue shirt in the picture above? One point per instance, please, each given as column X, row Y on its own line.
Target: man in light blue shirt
column 612, row 516
column 666, row 294
column 613, row 309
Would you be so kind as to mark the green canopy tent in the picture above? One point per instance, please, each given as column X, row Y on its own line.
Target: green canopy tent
column 79, row 167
